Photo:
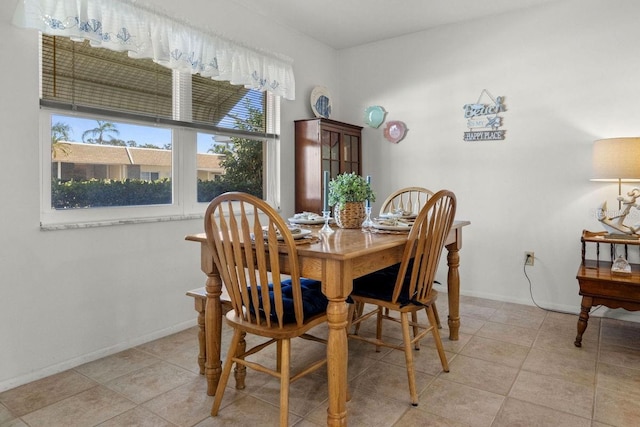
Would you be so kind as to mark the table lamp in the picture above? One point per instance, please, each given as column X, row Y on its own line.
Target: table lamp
column 617, row 160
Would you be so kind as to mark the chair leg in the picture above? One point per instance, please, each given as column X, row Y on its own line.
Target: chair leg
column 379, row 327
column 435, row 312
column 408, row 357
column 416, row 330
column 359, row 309
column 436, row 338
column 351, row 316
column 240, row 371
column 279, row 356
column 285, row 355
column 226, row 371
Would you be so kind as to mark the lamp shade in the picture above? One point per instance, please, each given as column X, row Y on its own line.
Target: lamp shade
column 616, row 159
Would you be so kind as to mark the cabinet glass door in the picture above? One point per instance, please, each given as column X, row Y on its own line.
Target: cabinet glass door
column 351, row 160
column 331, row 152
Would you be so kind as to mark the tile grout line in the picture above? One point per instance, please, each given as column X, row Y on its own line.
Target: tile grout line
column 597, row 368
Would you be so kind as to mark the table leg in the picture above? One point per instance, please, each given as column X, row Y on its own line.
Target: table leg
column 212, row 321
column 453, row 287
column 202, row 353
column 583, row 320
column 337, row 285
column 337, row 355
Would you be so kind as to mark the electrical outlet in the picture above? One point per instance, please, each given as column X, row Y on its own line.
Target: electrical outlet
column 528, row 258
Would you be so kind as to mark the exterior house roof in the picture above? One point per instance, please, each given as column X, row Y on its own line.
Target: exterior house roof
column 149, row 156
column 210, row 162
column 92, row 154
column 118, row 155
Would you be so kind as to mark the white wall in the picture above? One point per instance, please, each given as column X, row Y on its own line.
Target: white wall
column 67, row 297
column 568, row 72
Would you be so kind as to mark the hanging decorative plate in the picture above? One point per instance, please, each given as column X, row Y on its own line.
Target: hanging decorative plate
column 394, row 131
column 321, row 102
column 374, row 116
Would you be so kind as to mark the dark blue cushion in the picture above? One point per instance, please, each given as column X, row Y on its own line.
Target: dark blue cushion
column 380, row 284
column 313, row 300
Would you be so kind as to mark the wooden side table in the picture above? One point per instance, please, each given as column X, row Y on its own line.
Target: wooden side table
column 599, row 286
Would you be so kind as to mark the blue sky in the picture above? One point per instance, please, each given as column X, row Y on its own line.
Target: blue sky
column 155, row 135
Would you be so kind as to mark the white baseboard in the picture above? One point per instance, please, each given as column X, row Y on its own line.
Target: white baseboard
column 90, row 357
column 604, row 312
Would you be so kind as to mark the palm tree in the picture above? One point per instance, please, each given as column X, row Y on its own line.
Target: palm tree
column 100, row 131
column 60, row 132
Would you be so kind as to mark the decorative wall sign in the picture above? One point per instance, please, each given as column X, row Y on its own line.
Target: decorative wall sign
column 482, row 118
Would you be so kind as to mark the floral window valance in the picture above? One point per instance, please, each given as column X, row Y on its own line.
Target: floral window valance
column 126, row 25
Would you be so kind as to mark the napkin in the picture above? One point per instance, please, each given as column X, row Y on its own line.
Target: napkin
column 307, row 216
column 395, row 222
column 293, row 230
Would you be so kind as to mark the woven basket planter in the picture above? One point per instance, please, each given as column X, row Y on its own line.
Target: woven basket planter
column 350, row 216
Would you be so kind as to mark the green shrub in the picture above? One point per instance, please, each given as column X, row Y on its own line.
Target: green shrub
column 131, row 192
column 101, row 193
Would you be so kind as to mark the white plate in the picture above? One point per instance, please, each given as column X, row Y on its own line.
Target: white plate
column 391, row 227
column 321, row 102
column 303, row 233
column 314, row 221
column 392, row 215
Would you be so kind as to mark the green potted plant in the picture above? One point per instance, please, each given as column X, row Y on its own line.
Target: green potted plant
column 347, row 194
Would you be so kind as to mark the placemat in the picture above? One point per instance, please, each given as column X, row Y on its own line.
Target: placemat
column 307, row 240
column 376, row 230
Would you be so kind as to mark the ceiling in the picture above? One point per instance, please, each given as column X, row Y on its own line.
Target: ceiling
column 343, row 24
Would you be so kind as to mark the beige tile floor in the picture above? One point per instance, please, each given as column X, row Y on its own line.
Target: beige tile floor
column 514, row 365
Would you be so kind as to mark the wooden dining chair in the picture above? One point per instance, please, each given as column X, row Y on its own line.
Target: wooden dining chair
column 250, row 242
column 407, row 287
column 408, row 199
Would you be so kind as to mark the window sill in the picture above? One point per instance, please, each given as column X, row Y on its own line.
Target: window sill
column 108, row 223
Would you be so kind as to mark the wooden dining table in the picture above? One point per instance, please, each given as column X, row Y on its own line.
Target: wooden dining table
column 335, row 259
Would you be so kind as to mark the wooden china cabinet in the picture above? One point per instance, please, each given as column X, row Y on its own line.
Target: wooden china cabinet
column 323, row 145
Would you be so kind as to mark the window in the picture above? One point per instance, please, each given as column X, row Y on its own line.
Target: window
column 149, row 176
column 95, row 165
column 144, row 141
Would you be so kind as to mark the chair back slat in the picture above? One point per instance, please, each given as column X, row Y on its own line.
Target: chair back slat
column 409, row 199
column 424, row 246
column 249, row 241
